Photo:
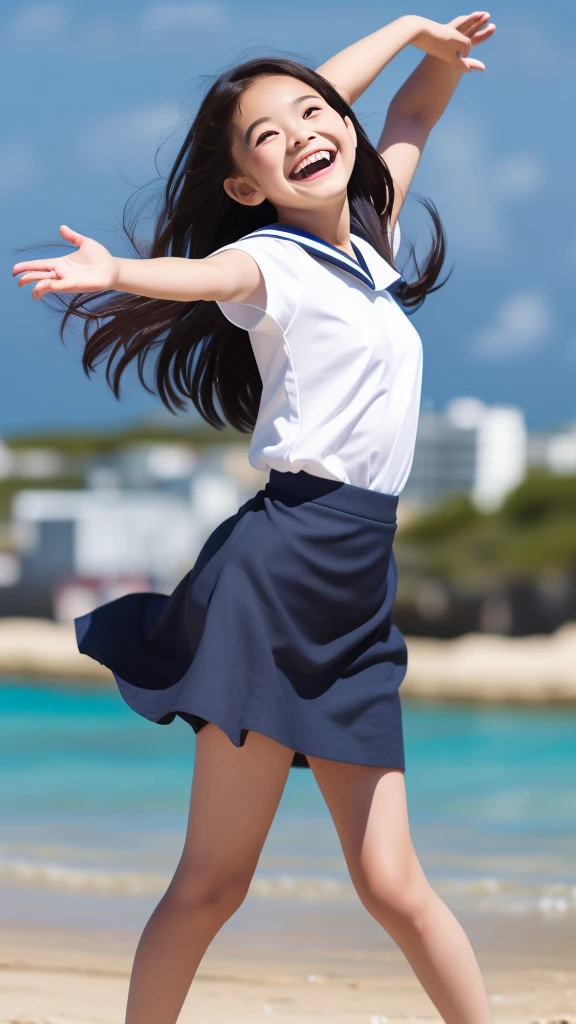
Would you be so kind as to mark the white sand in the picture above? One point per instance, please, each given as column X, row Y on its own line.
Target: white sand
column 50, row 978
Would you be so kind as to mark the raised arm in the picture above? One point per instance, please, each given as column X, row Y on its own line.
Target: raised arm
column 353, row 69
column 231, row 276
column 419, row 104
column 421, row 101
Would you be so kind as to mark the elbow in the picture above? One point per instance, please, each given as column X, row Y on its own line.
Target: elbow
column 408, row 129
column 416, row 120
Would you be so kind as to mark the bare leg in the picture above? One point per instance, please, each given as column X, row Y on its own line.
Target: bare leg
column 368, row 807
column 235, row 794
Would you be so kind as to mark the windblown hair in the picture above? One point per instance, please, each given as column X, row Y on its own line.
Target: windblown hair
column 200, row 355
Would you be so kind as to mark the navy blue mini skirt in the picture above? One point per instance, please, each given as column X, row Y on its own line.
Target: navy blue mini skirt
column 284, row 626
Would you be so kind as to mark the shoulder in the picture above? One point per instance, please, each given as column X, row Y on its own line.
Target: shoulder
column 278, row 250
column 278, row 293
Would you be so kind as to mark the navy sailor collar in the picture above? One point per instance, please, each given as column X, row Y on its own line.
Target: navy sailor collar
column 369, row 267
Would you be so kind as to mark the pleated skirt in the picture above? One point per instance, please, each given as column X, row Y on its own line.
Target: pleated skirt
column 284, row 625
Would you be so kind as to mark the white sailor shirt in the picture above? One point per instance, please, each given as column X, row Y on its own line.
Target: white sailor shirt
column 340, row 361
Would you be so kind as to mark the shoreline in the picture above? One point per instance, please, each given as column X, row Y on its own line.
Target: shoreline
column 477, row 667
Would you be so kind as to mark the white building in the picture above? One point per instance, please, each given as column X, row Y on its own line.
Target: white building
column 86, row 547
column 103, row 533
column 501, row 457
column 470, row 448
column 554, row 450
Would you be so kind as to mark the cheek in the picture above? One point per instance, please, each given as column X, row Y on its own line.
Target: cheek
column 267, row 163
column 348, row 151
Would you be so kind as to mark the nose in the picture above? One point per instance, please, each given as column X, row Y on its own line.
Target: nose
column 300, row 138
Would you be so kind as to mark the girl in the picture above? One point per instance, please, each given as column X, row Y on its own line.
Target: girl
column 270, row 289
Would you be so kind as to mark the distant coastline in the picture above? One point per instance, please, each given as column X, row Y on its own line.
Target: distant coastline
column 476, row 667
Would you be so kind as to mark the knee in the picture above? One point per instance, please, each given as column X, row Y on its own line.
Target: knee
column 395, row 894
column 209, row 892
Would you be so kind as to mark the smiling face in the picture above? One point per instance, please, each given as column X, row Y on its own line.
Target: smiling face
column 289, row 146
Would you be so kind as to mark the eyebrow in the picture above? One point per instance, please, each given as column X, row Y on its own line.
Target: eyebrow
column 261, row 120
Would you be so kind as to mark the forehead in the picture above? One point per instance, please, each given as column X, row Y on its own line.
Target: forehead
column 268, row 95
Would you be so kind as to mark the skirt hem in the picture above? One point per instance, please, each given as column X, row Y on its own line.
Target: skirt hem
column 233, row 725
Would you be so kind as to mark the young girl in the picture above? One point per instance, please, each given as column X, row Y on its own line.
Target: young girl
column 270, row 289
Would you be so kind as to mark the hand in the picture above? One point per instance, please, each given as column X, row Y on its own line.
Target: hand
column 452, row 42
column 90, row 269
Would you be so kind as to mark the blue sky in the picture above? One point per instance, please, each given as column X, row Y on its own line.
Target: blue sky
column 89, row 91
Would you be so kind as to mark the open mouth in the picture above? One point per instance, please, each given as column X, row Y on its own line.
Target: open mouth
column 313, row 165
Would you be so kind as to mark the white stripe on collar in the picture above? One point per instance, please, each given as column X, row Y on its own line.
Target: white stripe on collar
column 382, row 276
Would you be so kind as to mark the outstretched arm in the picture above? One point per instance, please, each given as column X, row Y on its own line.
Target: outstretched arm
column 230, row 276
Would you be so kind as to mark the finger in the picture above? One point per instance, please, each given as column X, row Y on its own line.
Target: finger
column 33, row 265
column 40, row 290
column 474, row 65
column 465, row 21
column 71, row 235
column 54, row 285
column 40, row 275
column 477, row 26
column 483, row 35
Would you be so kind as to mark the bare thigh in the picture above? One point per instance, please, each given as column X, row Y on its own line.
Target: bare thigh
column 369, row 808
column 234, row 797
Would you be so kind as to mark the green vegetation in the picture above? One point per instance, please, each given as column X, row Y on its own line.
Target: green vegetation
column 9, row 486
column 97, row 442
column 533, row 534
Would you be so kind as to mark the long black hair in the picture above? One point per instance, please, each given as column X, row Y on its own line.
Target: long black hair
column 200, row 355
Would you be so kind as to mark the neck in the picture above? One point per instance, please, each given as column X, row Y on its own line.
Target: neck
column 332, row 225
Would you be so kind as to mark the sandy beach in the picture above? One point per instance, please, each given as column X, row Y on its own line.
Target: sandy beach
column 79, row 978
column 69, row 929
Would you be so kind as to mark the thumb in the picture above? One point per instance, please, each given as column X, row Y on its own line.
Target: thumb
column 71, row 236
column 474, row 65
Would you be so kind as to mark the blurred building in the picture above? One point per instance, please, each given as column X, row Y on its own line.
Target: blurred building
column 554, row 450
column 138, row 525
column 32, row 463
column 470, row 448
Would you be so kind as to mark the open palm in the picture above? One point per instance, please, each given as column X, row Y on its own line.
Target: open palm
column 90, row 269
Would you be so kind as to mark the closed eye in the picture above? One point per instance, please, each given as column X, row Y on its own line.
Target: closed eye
column 263, row 136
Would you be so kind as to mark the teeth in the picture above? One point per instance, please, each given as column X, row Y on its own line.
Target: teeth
column 322, row 154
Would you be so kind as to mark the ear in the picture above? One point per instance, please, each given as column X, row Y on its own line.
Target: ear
column 351, row 130
column 242, row 192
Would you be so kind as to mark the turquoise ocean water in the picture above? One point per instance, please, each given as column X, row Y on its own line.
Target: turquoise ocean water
column 94, row 801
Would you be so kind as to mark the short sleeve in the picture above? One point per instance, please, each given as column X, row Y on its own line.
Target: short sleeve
column 278, row 263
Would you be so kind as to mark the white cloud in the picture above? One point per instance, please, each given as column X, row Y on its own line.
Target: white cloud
column 522, row 323
column 18, row 167
column 472, row 188
column 131, row 134
column 42, row 22
column 182, row 17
